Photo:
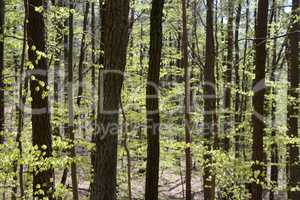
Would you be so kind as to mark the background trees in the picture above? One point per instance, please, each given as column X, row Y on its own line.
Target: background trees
column 224, row 73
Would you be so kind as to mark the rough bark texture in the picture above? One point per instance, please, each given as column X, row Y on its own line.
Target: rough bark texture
column 261, row 29
column 41, row 129
column 115, row 49
column 293, row 107
column 152, row 100
column 2, row 13
column 210, row 118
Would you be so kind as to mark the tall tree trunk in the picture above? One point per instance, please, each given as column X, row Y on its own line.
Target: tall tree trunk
column 100, row 79
column 2, row 14
column 82, row 53
column 237, row 109
column 57, row 81
column 274, row 145
column 187, row 102
column 71, row 134
column 127, row 150
column 244, row 80
column 293, row 106
column 23, row 90
column 41, row 128
column 152, row 100
column 93, row 73
column 80, row 68
column 228, row 81
column 209, row 95
column 65, row 97
column 115, row 50
column 261, row 30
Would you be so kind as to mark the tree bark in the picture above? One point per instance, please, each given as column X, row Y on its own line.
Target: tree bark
column 41, row 128
column 209, row 95
column 273, row 92
column 228, row 81
column 2, row 15
column 57, row 78
column 152, row 100
column 187, row 103
column 23, row 90
column 238, row 106
column 71, row 134
column 293, row 110
column 115, row 49
column 93, row 73
column 82, row 53
column 261, row 30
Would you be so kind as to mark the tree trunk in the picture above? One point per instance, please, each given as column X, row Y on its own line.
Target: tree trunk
column 293, row 110
column 127, row 150
column 71, row 134
column 273, row 93
column 93, row 74
column 57, row 62
column 82, row 53
column 228, row 81
column 2, row 14
column 20, row 108
column 209, row 96
column 238, row 106
column 152, row 100
column 187, row 102
column 261, row 30
column 41, row 128
column 65, row 98
column 115, row 50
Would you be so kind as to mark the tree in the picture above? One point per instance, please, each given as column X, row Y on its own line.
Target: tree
column 228, row 81
column 82, row 53
column 261, row 30
column 93, row 72
column 2, row 14
column 293, row 105
column 152, row 100
column 274, row 146
column 41, row 128
column 23, row 90
column 57, row 80
column 70, row 132
column 237, row 110
column 115, row 48
column 187, row 102
column 209, row 95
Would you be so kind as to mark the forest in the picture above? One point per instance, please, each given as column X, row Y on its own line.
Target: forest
column 149, row 99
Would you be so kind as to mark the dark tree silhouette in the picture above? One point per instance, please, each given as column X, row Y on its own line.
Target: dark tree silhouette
column 41, row 128
column 115, row 48
column 209, row 92
column 152, row 100
column 259, row 97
